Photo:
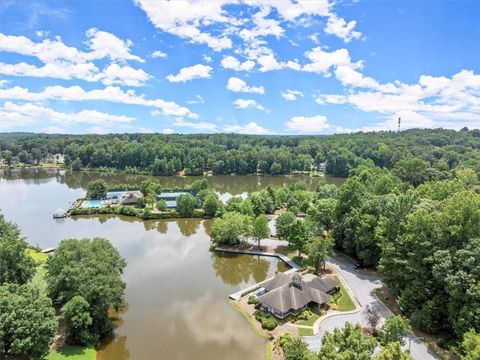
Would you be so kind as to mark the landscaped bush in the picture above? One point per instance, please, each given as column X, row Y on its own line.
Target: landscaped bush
column 268, row 321
column 283, row 340
column 305, row 315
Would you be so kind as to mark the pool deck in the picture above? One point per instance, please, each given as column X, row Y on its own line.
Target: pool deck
column 237, row 295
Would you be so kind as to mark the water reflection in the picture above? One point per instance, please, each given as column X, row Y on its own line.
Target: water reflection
column 242, row 269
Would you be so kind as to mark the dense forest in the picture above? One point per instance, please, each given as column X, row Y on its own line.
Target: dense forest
column 436, row 152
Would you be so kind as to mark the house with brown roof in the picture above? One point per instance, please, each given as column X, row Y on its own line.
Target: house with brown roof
column 292, row 293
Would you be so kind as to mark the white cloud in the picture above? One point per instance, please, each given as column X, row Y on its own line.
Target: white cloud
column 158, row 54
column 324, row 99
column 431, row 102
column 311, row 124
column 250, row 128
column 168, row 131
column 198, row 71
column 110, row 93
column 29, row 113
column 65, row 62
column 206, row 58
column 291, row 95
column 322, row 61
column 238, row 85
column 339, row 27
column 186, row 18
column 104, row 44
column 248, row 103
column 201, row 125
column 100, row 43
column 198, row 100
column 230, row 62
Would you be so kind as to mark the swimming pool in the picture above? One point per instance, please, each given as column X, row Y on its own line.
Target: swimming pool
column 92, row 203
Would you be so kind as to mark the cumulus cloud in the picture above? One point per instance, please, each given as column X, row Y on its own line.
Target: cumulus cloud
column 248, row 103
column 291, row 95
column 339, row 27
column 110, row 93
column 158, row 54
column 250, row 128
column 66, row 62
column 312, row 124
column 230, row 62
column 198, row 71
column 238, row 85
column 431, row 102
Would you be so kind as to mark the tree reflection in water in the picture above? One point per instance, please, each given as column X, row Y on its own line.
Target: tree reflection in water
column 237, row 269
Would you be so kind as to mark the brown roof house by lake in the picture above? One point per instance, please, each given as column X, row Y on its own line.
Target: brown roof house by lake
column 292, row 293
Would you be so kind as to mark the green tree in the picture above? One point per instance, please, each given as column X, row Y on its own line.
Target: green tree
column 283, row 224
column 394, row 329
column 97, row 189
column 322, row 216
column 296, row 349
column 211, row 205
column 469, row 349
column 199, row 185
column 27, row 322
column 93, row 270
column 76, row 313
column 161, row 205
column 318, row 250
column 231, row 228
column 15, row 265
column 347, row 343
column 76, row 164
column 299, row 236
column 186, row 204
column 260, row 229
column 393, row 351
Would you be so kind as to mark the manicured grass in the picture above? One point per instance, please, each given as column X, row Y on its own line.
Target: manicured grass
column 305, row 332
column 253, row 323
column 269, row 350
column 345, row 303
column 73, row 353
column 310, row 321
column 38, row 256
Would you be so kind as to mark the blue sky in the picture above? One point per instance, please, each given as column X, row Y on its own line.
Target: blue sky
column 245, row 66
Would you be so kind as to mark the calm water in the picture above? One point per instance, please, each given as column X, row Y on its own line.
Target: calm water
column 177, row 290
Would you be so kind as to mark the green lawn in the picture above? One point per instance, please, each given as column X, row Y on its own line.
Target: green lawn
column 305, row 331
column 310, row 321
column 73, row 353
column 345, row 303
column 38, row 256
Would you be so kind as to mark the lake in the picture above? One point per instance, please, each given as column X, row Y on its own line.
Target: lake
column 177, row 290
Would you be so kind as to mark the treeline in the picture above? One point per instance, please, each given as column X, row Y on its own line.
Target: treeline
column 436, row 152
column 82, row 280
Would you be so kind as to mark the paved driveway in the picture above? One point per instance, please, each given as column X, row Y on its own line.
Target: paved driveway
column 363, row 286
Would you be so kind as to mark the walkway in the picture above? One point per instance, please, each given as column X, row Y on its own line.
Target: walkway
column 363, row 286
column 237, row 295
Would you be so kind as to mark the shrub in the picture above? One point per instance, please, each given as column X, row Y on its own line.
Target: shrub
column 268, row 321
column 252, row 300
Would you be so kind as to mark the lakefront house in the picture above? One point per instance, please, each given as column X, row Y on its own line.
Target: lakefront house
column 289, row 294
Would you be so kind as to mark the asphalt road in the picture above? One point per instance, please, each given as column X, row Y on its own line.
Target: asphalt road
column 363, row 286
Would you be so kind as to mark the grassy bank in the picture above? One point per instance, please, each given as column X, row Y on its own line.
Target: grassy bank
column 69, row 352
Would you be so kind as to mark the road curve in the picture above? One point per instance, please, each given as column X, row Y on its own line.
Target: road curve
column 363, row 286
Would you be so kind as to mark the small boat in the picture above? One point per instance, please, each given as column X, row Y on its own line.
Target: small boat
column 48, row 250
column 59, row 214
